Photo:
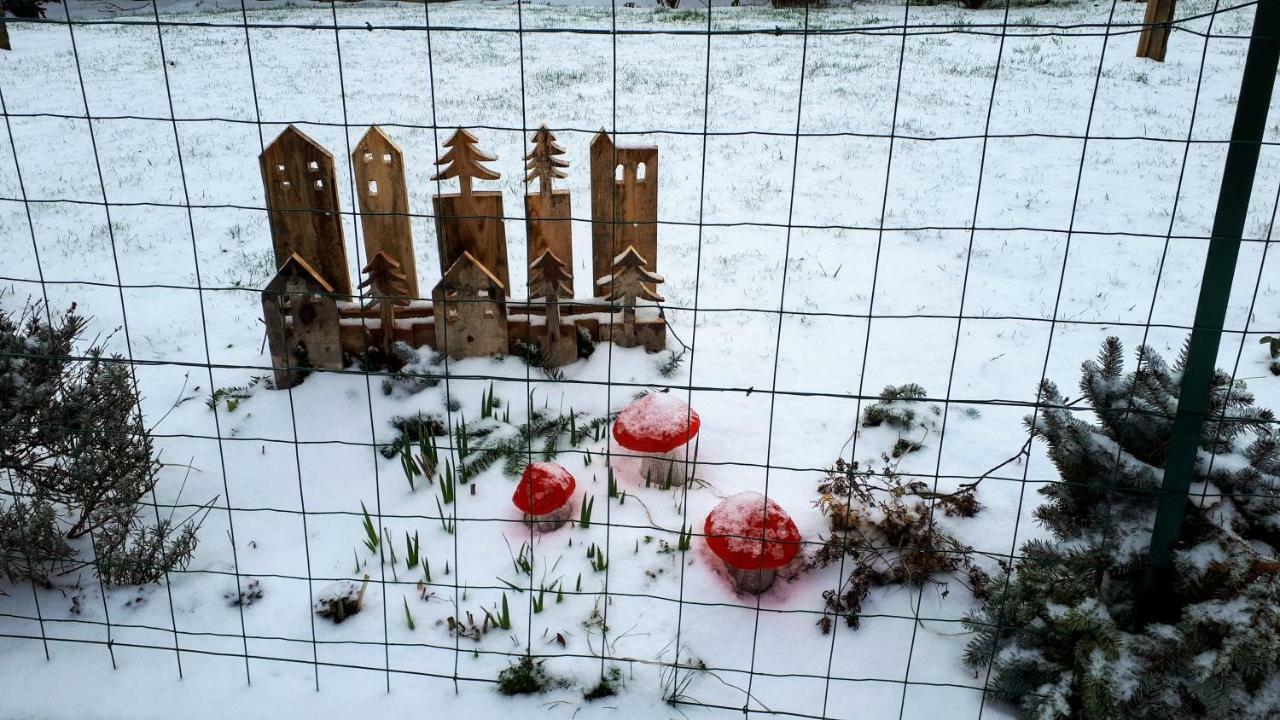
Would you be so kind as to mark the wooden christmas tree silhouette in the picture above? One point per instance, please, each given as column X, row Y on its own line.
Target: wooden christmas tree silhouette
column 387, row 287
column 627, row 285
column 542, row 163
column 549, row 280
column 470, row 221
column 548, row 210
column 463, row 161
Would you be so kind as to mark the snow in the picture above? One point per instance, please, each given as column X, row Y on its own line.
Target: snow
column 313, row 448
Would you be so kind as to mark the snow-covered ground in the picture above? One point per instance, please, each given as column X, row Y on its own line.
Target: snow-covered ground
column 1032, row 296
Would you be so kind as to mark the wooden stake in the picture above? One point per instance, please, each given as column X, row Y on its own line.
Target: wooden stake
column 1154, row 39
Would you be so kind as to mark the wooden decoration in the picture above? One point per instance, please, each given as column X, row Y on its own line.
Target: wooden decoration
column 302, row 203
column 470, row 223
column 1154, row 39
column 301, row 315
column 388, row 287
column 384, row 203
column 548, row 280
column 470, row 310
column 624, row 204
column 629, row 283
column 548, row 211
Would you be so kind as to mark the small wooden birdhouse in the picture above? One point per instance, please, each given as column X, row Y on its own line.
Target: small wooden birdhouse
column 470, row 309
column 301, row 314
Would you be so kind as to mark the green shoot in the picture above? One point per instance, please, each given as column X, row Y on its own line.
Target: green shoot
column 409, row 465
column 428, row 455
column 448, row 485
column 412, row 548
column 448, row 523
column 685, row 541
column 426, row 568
column 371, row 540
column 584, row 512
column 408, row 616
column 504, row 619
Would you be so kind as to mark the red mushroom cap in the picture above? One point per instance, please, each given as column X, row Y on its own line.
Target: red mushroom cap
column 749, row 532
column 544, row 487
column 656, row 423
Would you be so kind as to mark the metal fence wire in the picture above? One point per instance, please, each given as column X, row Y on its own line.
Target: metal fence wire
column 851, row 197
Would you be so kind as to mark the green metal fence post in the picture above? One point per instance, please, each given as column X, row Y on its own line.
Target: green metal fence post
column 1215, row 291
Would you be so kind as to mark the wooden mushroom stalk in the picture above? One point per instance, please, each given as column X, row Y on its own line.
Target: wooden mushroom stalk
column 544, row 495
column 659, row 425
column 754, row 537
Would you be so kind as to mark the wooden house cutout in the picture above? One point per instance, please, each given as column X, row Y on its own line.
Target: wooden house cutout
column 301, row 314
column 302, row 203
column 624, row 203
column 384, row 203
column 470, row 310
column 470, row 222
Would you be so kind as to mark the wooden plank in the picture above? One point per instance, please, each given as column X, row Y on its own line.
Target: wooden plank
column 472, row 224
column 1154, row 40
column 384, row 203
column 547, row 221
column 302, row 203
column 624, row 204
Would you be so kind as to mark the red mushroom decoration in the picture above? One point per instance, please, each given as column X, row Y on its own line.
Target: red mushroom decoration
column 754, row 537
column 543, row 495
column 661, row 426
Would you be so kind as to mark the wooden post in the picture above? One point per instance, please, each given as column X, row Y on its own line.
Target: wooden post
column 624, row 204
column 548, row 211
column 302, row 203
column 470, row 222
column 384, row 203
column 1154, row 39
column 4, row 34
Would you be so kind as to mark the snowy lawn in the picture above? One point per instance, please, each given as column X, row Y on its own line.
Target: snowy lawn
column 1032, row 296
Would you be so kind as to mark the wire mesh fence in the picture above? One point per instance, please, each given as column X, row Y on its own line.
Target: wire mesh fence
column 956, row 204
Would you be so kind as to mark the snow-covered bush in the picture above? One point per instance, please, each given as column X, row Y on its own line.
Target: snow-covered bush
column 1060, row 637
column 76, row 461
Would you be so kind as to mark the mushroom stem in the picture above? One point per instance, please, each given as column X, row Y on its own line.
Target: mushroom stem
column 550, row 521
column 666, row 470
column 753, row 581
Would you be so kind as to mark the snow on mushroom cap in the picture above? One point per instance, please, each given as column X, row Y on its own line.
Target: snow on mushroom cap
column 544, row 487
column 734, row 528
column 656, row 423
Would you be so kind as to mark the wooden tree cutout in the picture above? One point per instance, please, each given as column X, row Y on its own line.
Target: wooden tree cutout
column 542, row 163
column 548, row 280
column 627, row 285
column 464, row 161
column 548, row 211
column 387, row 287
column 470, row 221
